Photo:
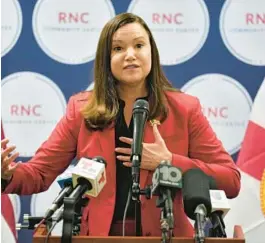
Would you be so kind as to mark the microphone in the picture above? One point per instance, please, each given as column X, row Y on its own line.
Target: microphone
column 166, row 176
column 196, row 199
column 58, row 201
column 218, row 198
column 140, row 115
column 65, row 182
column 166, row 179
column 90, row 175
column 220, row 202
column 220, row 207
column 65, row 177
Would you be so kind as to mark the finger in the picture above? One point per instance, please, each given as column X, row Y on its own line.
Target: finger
column 7, row 161
column 124, row 158
column 13, row 157
column 12, row 168
column 7, row 174
column 4, row 142
column 127, row 164
column 126, row 140
column 4, row 166
column 7, row 151
column 123, row 150
column 157, row 134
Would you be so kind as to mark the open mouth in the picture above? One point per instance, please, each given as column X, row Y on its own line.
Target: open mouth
column 131, row 66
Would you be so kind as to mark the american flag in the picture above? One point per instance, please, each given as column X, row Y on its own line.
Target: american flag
column 8, row 224
column 246, row 208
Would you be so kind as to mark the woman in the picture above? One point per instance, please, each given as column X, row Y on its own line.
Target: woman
column 99, row 123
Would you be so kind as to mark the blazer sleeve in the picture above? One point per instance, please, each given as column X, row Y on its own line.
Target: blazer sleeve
column 50, row 160
column 207, row 153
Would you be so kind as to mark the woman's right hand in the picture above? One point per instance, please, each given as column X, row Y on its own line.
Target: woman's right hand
column 7, row 167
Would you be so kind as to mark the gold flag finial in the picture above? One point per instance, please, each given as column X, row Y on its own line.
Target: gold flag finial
column 262, row 193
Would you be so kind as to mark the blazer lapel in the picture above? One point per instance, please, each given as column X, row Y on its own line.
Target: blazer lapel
column 107, row 147
column 148, row 138
column 106, row 139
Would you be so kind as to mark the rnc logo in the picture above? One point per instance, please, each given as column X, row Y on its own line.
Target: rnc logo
column 70, row 35
column 220, row 96
column 25, row 110
column 242, row 26
column 215, row 112
column 179, row 27
column 11, row 24
column 33, row 104
column 175, row 18
column 255, row 18
column 68, row 17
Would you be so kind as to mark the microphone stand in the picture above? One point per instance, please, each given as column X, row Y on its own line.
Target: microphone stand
column 69, row 211
column 164, row 201
column 30, row 222
column 164, row 227
column 200, row 219
column 83, row 202
column 136, row 191
column 218, row 225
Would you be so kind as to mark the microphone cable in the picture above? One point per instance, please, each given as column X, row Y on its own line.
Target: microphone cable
column 125, row 211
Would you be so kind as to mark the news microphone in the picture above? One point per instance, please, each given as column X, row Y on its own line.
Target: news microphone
column 218, row 197
column 196, row 199
column 65, row 177
column 90, row 175
column 58, row 201
column 165, row 176
column 65, row 182
column 220, row 207
column 165, row 182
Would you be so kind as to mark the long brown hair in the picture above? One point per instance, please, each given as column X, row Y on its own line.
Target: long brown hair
column 103, row 104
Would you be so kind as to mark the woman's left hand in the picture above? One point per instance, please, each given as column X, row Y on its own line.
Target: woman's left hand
column 152, row 154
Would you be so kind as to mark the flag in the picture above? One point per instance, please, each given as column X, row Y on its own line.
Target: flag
column 8, row 224
column 246, row 209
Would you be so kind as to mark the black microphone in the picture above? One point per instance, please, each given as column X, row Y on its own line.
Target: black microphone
column 165, row 182
column 140, row 115
column 58, row 201
column 196, row 199
column 212, row 183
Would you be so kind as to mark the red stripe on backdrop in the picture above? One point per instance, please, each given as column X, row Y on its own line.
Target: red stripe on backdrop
column 7, row 210
column 252, row 155
column 8, row 213
column 2, row 132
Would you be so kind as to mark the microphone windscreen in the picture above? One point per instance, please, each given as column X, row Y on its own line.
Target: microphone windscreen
column 212, row 183
column 141, row 104
column 195, row 191
column 100, row 159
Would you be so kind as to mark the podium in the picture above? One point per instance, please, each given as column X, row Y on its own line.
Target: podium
column 40, row 236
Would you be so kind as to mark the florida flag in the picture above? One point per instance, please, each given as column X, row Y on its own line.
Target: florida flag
column 8, row 225
column 246, row 209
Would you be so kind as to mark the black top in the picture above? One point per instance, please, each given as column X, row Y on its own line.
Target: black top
column 123, row 173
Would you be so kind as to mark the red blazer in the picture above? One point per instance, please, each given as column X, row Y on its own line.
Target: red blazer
column 187, row 135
